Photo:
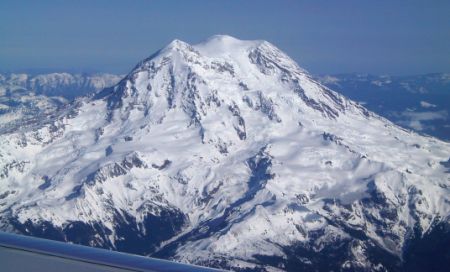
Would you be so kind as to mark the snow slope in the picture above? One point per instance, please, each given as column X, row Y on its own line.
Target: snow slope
column 228, row 154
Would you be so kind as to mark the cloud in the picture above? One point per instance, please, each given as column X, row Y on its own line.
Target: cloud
column 425, row 115
column 414, row 89
column 417, row 125
column 416, row 120
column 425, row 104
column 329, row 80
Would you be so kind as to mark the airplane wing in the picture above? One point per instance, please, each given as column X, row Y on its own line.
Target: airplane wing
column 29, row 254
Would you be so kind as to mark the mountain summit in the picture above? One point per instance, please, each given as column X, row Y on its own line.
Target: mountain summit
column 228, row 154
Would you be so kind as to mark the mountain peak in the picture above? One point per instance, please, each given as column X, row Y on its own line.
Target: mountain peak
column 224, row 39
column 188, row 73
column 219, row 45
column 177, row 45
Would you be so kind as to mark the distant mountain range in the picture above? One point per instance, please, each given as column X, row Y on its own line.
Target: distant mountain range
column 25, row 98
column 420, row 103
column 59, row 84
column 228, row 154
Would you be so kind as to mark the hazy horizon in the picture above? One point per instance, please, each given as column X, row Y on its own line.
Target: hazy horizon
column 382, row 37
column 37, row 71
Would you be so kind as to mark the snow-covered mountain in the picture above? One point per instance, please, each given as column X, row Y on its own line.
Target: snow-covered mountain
column 28, row 98
column 228, row 154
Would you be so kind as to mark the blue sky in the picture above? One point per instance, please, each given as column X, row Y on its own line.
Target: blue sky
column 380, row 37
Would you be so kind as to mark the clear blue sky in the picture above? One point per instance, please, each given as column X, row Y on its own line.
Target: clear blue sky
column 381, row 37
